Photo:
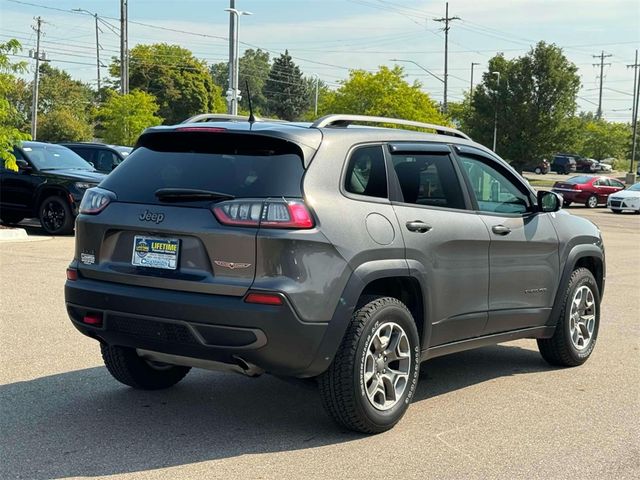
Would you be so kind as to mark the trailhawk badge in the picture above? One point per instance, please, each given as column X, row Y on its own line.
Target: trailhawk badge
column 231, row 265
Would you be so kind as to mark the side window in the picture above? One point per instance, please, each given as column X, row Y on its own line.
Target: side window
column 105, row 160
column 601, row 183
column 615, row 183
column 366, row 173
column 494, row 191
column 86, row 153
column 428, row 180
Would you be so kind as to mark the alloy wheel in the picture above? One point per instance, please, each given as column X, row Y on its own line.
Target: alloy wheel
column 387, row 365
column 582, row 319
column 53, row 216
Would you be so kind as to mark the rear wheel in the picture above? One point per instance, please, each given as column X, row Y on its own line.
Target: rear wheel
column 373, row 377
column 538, row 171
column 592, row 201
column 565, row 204
column 126, row 366
column 577, row 328
column 55, row 216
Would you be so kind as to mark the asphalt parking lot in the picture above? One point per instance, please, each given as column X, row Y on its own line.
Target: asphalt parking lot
column 496, row 412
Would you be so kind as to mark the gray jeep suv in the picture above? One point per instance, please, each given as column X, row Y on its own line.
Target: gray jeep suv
column 331, row 250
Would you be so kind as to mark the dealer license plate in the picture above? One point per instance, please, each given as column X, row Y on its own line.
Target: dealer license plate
column 154, row 252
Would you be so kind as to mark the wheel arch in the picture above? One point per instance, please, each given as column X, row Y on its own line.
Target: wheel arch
column 590, row 257
column 46, row 191
column 377, row 277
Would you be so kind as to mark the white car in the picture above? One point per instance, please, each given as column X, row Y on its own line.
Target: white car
column 628, row 199
column 603, row 167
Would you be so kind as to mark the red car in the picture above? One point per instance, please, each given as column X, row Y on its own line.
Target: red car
column 587, row 189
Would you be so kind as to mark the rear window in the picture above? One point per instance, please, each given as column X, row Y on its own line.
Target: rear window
column 236, row 164
column 579, row 179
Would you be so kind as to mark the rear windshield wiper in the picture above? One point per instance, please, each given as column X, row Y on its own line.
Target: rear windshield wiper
column 190, row 194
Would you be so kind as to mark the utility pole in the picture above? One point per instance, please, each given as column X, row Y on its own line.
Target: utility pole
column 602, row 56
column 124, row 48
column 232, row 102
column 634, row 114
column 473, row 64
column 36, row 81
column 95, row 16
column 446, row 19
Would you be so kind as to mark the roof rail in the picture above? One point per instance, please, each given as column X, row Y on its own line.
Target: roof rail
column 224, row 117
column 344, row 120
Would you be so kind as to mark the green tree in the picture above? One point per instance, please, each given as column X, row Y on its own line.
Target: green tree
column 254, row 67
column 286, row 90
column 598, row 139
column 124, row 117
column 383, row 93
column 180, row 82
column 63, row 125
column 10, row 135
column 58, row 90
column 534, row 95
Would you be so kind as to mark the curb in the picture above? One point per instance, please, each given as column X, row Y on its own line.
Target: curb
column 9, row 234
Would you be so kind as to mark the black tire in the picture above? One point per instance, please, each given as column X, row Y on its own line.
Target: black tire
column 342, row 386
column 566, row 204
column 560, row 350
column 591, row 203
column 127, row 367
column 538, row 171
column 55, row 216
column 616, row 210
column 11, row 219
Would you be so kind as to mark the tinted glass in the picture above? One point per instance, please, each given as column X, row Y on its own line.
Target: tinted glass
column 85, row 153
column 54, row 157
column 615, row 183
column 579, row 180
column 493, row 190
column 366, row 173
column 428, row 180
column 105, row 160
column 239, row 165
column 635, row 187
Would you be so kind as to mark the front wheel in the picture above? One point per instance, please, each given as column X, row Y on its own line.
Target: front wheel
column 577, row 328
column 592, row 201
column 126, row 366
column 616, row 210
column 538, row 171
column 55, row 216
column 372, row 379
column 566, row 204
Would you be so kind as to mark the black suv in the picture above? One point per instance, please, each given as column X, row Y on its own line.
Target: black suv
column 48, row 185
column 329, row 250
column 564, row 164
column 103, row 157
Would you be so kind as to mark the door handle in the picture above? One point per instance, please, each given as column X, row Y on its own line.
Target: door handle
column 418, row 226
column 501, row 230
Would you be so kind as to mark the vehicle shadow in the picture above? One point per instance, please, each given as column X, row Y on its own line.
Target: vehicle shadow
column 83, row 423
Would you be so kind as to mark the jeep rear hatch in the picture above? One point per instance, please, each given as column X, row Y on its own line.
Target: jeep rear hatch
column 187, row 208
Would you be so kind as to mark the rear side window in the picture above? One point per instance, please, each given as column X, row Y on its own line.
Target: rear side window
column 428, row 180
column 366, row 172
column 236, row 164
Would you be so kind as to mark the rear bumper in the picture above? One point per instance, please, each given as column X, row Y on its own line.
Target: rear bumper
column 201, row 326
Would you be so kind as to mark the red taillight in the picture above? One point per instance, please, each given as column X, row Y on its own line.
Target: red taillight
column 94, row 319
column 96, row 200
column 72, row 274
column 201, row 129
column 264, row 298
column 264, row 213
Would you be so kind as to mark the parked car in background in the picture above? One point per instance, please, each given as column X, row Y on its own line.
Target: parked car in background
column 586, row 165
column 49, row 185
column 628, row 199
column 541, row 168
column 587, row 189
column 603, row 167
column 103, row 157
column 563, row 164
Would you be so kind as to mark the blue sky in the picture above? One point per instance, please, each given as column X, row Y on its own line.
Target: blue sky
column 329, row 37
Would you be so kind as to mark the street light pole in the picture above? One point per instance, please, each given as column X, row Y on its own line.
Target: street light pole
column 495, row 114
column 420, row 67
column 315, row 109
column 233, row 94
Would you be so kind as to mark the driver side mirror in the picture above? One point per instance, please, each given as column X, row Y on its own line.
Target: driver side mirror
column 23, row 165
column 549, row 201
